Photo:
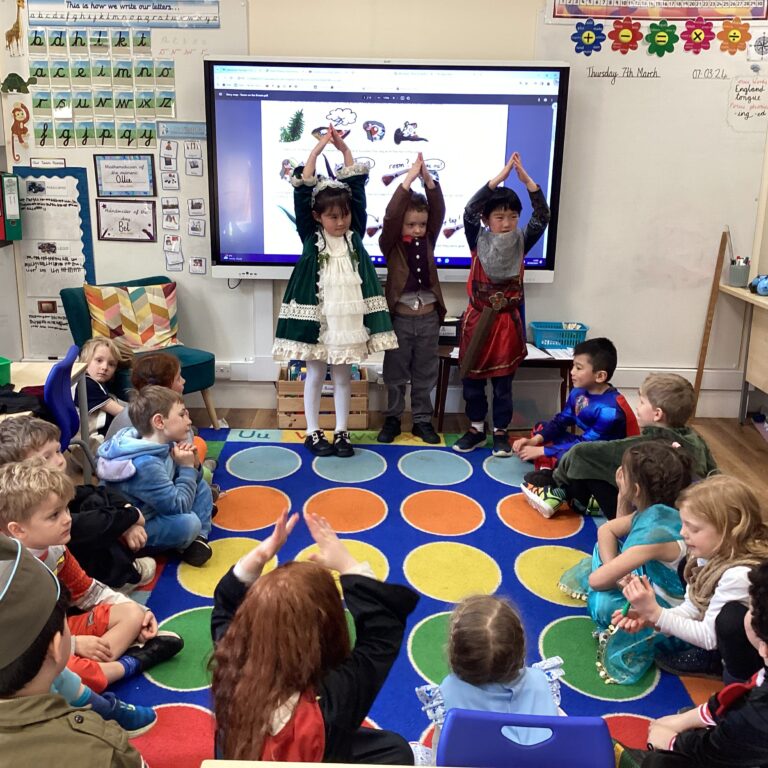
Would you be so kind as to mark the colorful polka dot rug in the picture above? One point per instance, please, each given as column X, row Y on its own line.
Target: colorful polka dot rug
column 447, row 524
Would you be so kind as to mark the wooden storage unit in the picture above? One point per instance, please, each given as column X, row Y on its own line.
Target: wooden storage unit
column 290, row 404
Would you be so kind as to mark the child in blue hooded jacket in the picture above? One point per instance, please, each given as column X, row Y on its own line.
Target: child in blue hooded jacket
column 153, row 465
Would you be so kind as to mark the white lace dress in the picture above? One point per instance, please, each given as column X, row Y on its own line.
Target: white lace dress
column 341, row 305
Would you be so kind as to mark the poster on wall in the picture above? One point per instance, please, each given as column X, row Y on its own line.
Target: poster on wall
column 56, row 253
column 658, row 9
column 153, row 13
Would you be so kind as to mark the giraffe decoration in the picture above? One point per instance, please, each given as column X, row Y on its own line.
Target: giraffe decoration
column 13, row 35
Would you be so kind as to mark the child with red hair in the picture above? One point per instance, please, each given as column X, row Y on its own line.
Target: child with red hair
column 286, row 684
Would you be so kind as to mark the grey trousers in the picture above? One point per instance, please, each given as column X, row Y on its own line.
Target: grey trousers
column 415, row 360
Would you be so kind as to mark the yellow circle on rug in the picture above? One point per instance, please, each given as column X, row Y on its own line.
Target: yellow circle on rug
column 348, row 510
column 450, row 571
column 539, row 569
column 362, row 552
column 446, row 513
column 520, row 516
column 226, row 552
column 250, row 507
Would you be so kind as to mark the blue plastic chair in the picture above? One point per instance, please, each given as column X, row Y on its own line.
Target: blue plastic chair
column 57, row 394
column 473, row 738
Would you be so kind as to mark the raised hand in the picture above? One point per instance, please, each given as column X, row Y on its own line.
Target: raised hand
column 413, row 172
column 340, row 144
column 331, row 551
column 253, row 563
column 522, row 174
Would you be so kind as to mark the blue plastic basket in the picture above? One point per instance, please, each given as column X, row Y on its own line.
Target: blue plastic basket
column 558, row 334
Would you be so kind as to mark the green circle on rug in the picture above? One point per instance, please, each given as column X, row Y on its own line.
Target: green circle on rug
column 449, row 571
column 427, row 647
column 540, row 568
column 434, row 467
column 188, row 669
column 263, row 463
column 506, row 469
column 571, row 638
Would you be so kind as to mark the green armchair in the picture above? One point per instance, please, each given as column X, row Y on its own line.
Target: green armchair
column 198, row 367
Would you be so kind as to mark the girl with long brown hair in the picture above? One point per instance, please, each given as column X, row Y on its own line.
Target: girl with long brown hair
column 286, row 685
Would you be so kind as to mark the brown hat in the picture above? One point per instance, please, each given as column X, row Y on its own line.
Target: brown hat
column 28, row 593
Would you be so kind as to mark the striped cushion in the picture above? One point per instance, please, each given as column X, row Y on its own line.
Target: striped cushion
column 141, row 317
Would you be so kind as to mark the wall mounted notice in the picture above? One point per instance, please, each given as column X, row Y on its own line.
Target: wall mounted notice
column 151, row 13
column 748, row 104
column 56, row 253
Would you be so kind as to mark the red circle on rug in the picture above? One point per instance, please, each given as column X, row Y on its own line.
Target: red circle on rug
column 348, row 510
column 629, row 730
column 519, row 515
column 182, row 737
column 250, row 507
column 446, row 513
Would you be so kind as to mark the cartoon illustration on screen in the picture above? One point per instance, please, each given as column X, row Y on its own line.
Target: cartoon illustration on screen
column 374, row 130
column 295, row 127
column 286, row 168
column 408, row 133
column 373, row 225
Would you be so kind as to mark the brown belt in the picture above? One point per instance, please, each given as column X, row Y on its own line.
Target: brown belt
column 404, row 309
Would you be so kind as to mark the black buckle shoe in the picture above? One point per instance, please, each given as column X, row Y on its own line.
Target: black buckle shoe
column 199, row 552
column 164, row 646
column 317, row 445
column 426, row 432
column 342, row 446
column 390, row 430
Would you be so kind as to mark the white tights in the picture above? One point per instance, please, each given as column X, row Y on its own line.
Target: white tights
column 313, row 389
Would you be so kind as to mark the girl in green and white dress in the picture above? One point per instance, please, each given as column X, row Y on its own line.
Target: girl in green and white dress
column 333, row 310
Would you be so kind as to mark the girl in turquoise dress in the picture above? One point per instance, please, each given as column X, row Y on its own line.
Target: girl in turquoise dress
column 333, row 311
column 643, row 539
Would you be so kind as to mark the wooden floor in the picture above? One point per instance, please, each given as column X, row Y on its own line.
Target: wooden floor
column 738, row 450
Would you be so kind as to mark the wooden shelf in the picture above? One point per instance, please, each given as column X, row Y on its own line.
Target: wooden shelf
column 745, row 295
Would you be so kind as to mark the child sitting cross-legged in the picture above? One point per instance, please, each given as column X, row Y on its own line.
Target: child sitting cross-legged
column 586, row 475
column 154, row 466
column 107, row 530
column 37, row 726
column 644, row 538
column 596, row 407
column 114, row 637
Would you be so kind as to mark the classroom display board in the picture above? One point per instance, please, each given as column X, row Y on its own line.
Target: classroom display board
column 112, row 102
column 664, row 147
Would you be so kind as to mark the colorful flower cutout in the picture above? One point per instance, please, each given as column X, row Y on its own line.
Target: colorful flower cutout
column 588, row 37
column 662, row 38
column 626, row 35
column 697, row 35
column 734, row 36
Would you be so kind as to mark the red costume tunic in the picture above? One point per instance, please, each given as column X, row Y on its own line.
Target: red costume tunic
column 505, row 347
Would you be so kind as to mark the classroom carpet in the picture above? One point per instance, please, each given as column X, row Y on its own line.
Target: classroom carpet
column 447, row 524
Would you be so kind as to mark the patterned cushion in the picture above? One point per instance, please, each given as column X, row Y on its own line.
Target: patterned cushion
column 140, row 317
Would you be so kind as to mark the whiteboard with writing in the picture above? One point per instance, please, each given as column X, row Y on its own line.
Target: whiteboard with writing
column 660, row 155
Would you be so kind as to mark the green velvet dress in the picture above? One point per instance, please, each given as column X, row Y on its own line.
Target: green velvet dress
column 318, row 316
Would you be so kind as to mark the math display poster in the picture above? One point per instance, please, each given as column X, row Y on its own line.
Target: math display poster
column 659, row 9
column 152, row 13
column 56, row 253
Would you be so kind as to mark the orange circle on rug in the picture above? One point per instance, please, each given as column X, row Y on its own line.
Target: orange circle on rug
column 628, row 729
column 250, row 507
column 520, row 516
column 348, row 510
column 182, row 735
column 446, row 513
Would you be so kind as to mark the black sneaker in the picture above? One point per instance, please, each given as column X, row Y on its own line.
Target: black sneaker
column 469, row 441
column 390, row 430
column 501, row 444
column 342, row 447
column 198, row 552
column 539, row 477
column 164, row 646
column 317, row 445
column 426, row 432
column 695, row 662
